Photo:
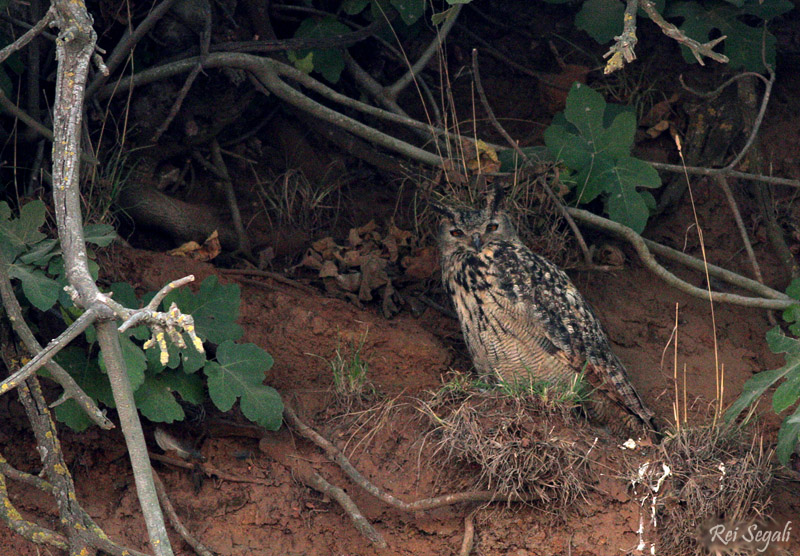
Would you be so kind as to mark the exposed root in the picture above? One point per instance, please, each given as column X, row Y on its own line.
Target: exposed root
column 469, row 536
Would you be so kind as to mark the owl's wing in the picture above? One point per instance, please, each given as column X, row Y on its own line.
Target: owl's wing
column 537, row 289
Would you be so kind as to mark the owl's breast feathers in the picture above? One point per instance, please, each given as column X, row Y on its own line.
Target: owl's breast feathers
column 506, row 294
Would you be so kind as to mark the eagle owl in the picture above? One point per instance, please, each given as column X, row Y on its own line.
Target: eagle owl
column 521, row 315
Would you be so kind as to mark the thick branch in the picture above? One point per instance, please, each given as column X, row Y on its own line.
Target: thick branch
column 650, row 262
column 74, row 49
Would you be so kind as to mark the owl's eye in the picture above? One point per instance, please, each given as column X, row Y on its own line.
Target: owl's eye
column 492, row 227
column 455, row 232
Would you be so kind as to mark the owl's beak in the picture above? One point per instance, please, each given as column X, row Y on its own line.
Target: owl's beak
column 476, row 241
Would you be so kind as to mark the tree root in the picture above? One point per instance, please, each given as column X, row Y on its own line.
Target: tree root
column 175, row 521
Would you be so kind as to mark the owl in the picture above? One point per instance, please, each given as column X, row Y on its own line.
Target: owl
column 522, row 317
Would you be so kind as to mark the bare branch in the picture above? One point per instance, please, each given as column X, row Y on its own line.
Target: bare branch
column 623, row 50
column 44, row 356
column 175, row 521
column 128, row 42
column 699, row 171
column 74, row 50
column 737, row 216
column 698, row 49
column 392, row 91
column 650, row 262
column 29, row 35
column 336, row 455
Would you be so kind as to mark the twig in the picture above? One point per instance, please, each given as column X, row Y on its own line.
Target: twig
column 587, row 256
column 25, row 118
column 175, row 521
column 394, row 90
column 699, row 171
column 267, row 274
column 255, row 63
column 208, row 469
column 698, row 49
column 717, row 272
column 622, row 51
column 230, row 195
column 315, row 481
column 336, row 455
column 718, row 90
column 469, row 536
column 27, row 529
column 650, row 262
column 29, row 35
column 757, row 123
column 205, row 44
column 71, row 388
column 737, row 216
column 46, row 354
column 130, row 40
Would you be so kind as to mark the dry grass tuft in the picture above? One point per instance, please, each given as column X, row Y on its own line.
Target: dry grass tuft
column 701, row 477
column 521, row 445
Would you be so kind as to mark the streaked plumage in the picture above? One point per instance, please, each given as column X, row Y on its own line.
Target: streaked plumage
column 521, row 315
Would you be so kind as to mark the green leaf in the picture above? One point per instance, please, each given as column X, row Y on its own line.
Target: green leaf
column 17, row 234
column 624, row 204
column 410, row 10
column 788, row 392
column 155, row 400
column 743, row 44
column 327, row 61
column 617, row 140
column 41, row 291
column 753, row 389
column 99, row 234
column 190, row 387
column 41, row 253
column 788, row 436
column 584, row 110
column 86, row 372
column 215, row 309
column 305, row 64
column 125, row 295
column 602, row 19
column 592, row 180
column 793, row 290
column 239, row 372
column 778, row 342
column 73, row 415
column 354, row 7
column 264, row 406
column 568, row 147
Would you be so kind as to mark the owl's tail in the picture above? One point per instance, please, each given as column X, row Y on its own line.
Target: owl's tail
column 617, row 404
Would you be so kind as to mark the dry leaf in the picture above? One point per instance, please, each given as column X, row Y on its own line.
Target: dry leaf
column 328, row 270
column 657, row 129
column 324, row 247
column 350, row 282
column 373, row 276
column 192, row 250
column 312, row 259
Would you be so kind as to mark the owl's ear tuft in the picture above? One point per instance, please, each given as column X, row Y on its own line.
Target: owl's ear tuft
column 495, row 198
column 441, row 209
